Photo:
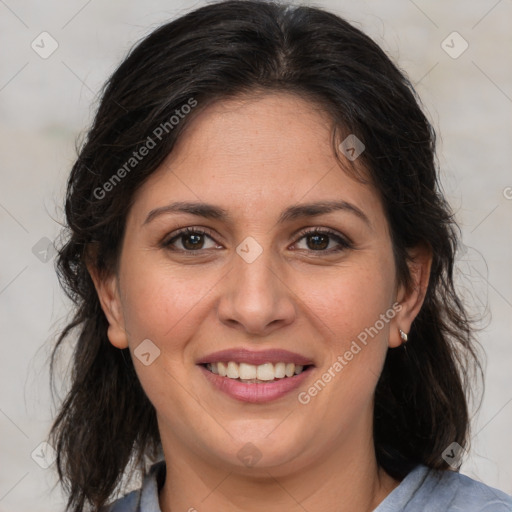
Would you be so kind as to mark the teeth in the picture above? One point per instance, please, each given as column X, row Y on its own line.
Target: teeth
column 265, row 372
column 280, row 370
column 233, row 372
column 246, row 371
column 222, row 368
column 252, row 373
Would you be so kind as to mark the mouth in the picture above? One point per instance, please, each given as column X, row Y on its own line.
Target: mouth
column 255, row 376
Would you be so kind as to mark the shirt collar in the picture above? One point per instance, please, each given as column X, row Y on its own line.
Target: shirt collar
column 151, row 486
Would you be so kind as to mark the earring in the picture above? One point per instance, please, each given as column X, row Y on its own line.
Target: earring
column 403, row 335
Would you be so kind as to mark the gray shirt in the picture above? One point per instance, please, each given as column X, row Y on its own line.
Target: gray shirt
column 422, row 490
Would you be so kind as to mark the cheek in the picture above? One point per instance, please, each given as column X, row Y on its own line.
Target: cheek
column 160, row 303
column 351, row 298
column 355, row 310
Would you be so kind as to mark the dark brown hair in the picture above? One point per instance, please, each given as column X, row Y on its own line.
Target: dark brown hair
column 219, row 51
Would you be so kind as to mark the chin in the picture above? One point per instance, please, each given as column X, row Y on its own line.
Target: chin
column 278, row 450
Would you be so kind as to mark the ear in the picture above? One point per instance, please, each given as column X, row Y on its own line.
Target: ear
column 107, row 289
column 411, row 298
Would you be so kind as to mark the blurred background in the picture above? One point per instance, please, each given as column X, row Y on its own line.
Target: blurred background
column 54, row 58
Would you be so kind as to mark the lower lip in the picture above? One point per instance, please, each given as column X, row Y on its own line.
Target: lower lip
column 256, row 392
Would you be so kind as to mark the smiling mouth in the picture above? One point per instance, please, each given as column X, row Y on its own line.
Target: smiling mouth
column 254, row 374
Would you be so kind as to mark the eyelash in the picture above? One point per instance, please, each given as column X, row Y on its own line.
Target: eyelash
column 342, row 241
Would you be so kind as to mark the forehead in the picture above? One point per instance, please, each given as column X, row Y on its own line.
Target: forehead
column 271, row 149
column 257, row 132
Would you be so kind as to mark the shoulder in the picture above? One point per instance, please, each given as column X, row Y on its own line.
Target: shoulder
column 431, row 491
column 469, row 494
column 128, row 503
column 144, row 499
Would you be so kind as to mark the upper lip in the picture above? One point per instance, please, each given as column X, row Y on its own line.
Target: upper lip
column 242, row 355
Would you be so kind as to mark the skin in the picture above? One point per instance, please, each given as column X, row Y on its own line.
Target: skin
column 255, row 156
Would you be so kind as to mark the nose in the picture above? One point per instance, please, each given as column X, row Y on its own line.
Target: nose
column 255, row 296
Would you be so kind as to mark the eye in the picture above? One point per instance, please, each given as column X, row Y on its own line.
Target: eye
column 191, row 240
column 318, row 240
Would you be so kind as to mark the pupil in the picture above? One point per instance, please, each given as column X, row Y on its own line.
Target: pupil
column 194, row 245
column 321, row 246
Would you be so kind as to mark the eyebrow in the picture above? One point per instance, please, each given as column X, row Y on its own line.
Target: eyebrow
column 210, row 211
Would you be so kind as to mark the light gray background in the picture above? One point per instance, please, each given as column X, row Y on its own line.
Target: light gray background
column 46, row 103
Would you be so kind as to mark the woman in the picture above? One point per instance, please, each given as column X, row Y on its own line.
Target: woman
column 261, row 261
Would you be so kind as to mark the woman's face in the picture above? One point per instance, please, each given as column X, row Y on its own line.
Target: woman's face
column 256, row 283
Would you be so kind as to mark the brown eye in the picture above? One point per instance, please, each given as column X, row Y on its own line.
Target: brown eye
column 191, row 239
column 318, row 240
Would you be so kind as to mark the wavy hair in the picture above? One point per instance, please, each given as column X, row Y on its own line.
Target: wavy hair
column 219, row 51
